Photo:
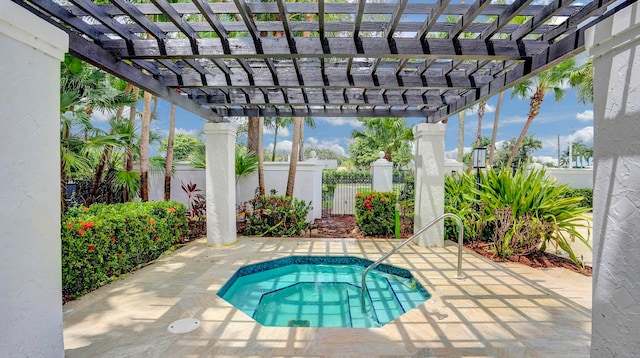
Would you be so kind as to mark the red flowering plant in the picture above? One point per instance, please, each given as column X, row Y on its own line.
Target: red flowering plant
column 103, row 242
column 375, row 213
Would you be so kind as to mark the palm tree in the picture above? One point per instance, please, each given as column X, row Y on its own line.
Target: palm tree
column 552, row 79
column 309, row 122
column 481, row 107
column 144, row 146
column 494, row 132
column 582, row 79
column 254, row 144
column 169, row 157
column 384, row 134
column 277, row 124
column 293, row 158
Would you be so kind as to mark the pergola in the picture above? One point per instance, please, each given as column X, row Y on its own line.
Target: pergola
column 238, row 58
column 323, row 58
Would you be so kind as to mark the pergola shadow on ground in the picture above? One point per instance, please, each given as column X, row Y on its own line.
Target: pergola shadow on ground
column 498, row 310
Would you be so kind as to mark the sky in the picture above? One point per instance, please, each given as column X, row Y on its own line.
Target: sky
column 567, row 119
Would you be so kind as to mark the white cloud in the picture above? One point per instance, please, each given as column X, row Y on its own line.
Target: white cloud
column 282, row 132
column 332, row 145
column 190, row 132
column 340, row 121
column 512, row 120
column 487, row 109
column 545, row 159
column 585, row 116
column 585, row 135
column 282, row 146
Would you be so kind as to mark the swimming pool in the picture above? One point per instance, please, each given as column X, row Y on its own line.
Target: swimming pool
column 322, row 291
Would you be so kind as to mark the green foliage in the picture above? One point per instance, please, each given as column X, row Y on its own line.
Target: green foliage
column 389, row 135
column 275, row 215
column 585, row 195
column 375, row 213
column 515, row 211
column 103, row 242
column 246, row 162
column 183, row 146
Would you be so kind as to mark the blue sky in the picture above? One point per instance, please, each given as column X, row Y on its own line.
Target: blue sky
column 566, row 118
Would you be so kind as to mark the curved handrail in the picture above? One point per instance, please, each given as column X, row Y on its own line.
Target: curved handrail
column 459, row 274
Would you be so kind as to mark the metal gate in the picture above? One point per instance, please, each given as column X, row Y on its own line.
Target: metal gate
column 339, row 189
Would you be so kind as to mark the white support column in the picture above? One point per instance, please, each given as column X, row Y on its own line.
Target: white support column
column 382, row 174
column 30, row 264
column 429, row 190
column 615, row 46
column 220, row 178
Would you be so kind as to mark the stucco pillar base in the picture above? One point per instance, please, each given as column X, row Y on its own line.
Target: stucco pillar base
column 615, row 46
column 429, row 184
column 220, row 179
column 31, row 285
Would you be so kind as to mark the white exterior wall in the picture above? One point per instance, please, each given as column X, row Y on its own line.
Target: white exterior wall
column 31, row 283
column 308, row 186
column 183, row 173
column 429, row 186
column 220, row 183
column 615, row 45
column 575, row 178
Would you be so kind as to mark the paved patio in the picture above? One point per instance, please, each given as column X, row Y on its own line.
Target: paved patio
column 505, row 310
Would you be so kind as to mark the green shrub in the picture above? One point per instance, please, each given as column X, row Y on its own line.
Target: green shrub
column 103, row 242
column 275, row 215
column 586, row 195
column 516, row 211
column 375, row 213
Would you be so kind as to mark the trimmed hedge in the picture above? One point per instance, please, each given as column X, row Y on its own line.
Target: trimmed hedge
column 275, row 215
column 585, row 193
column 103, row 242
column 375, row 213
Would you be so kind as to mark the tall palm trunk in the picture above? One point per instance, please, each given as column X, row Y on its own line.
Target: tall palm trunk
column 169, row 158
column 275, row 139
column 128, row 162
column 481, row 108
column 494, row 133
column 104, row 159
column 460, row 135
column 534, row 109
column 254, row 144
column 293, row 158
column 301, row 144
column 144, row 147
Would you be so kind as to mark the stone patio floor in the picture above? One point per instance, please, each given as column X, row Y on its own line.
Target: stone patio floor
column 498, row 310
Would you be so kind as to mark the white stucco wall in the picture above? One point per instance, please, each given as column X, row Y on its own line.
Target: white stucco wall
column 30, row 268
column 183, row 173
column 429, row 185
column 615, row 45
column 308, row 186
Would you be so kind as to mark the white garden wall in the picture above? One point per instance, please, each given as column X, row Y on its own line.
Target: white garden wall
column 308, row 185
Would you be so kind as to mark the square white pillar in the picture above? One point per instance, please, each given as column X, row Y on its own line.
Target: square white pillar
column 30, row 263
column 220, row 179
column 429, row 185
column 382, row 175
column 615, row 46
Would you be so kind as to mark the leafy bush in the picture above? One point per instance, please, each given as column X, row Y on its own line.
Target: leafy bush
column 586, row 194
column 275, row 215
column 375, row 213
column 514, row 211
column 103, row 242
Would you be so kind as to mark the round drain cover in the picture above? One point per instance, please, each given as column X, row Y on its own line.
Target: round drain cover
column 184, row 325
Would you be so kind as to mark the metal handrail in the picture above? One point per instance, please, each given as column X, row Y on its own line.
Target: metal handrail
column 459, row 274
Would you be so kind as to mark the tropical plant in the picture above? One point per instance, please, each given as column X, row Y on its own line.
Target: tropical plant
column 169, row 157
column 516, row 211
column 197, row 203
column 582, row 79
column 389, row 135
column 375, row 213
column 246, row 162
column 275, row 215
column 550, row 80
column 293, row 158
column 183, row 146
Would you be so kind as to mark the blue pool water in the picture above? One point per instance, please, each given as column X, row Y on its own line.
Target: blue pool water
column 313, row 291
